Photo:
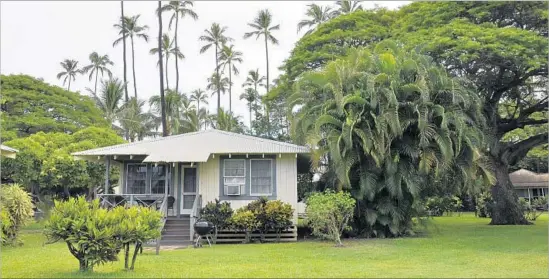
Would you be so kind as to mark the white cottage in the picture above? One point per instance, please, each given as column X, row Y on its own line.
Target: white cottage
column 181, row 173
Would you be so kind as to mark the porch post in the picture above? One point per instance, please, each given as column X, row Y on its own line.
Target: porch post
column 528, row 190
column 107, row 173
column 168, row 180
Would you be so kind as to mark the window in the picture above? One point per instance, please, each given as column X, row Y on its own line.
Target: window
column 136, row 179
column 261, row 177
column 234, row 176
column 159, row 178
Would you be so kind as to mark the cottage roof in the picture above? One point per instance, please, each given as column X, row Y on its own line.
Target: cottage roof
column 524, row 178
column 7, row 151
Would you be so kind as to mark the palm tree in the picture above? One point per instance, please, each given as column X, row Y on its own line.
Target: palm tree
column 136, row 121
column 179, row 9
column 99, row 63
column 218, row 84
column 110, row 98
column 254, row 79
column 161, row 73
column 71, row 70
column 174, row 103
column 199, row 95
column 215, row 36
column 226, row 121
column 228, row 57
column 262, row 26
column 315, row 16
column 167, row 51
column 123, row 25
column 347, row 7
column 250, row 96
column 129, row 26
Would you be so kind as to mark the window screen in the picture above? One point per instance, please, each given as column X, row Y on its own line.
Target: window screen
column 159, row 178
column 234, row 174
column 261, row 177
column 136, row 178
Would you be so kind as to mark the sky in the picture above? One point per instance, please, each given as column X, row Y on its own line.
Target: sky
column 35, row 36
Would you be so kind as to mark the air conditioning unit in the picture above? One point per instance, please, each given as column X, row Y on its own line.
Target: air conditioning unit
column 232, row 190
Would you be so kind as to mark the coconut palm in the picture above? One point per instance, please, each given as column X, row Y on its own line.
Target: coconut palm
column 129, row 26
column 347, row 7
column 262, row 27
column 110, row 98
column 218, row 84
column 173, row 100
column 215, row 36
column 250, row 96
column 123, row 25
column 161, row 72
column 136, row 121
column 70, row 68
column 167, row 51
column 98, row 63
column 386, row 121
column 226, row 121
column 316, row 15
column 255, row 80
column 229, row 57
column 199, row 96
column 179, row 9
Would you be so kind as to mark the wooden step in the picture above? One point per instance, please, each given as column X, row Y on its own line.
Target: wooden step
column 176, row 237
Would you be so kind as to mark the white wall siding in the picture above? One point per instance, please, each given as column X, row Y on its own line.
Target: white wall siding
column 286, row 180
column 208, row 180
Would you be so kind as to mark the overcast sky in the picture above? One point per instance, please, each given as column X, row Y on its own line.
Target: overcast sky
column 37, row 35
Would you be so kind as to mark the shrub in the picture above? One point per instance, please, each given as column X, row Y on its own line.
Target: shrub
column 88, row 230
column 17, row 204
column 484, row 205
column 328, row 214
column 244, row 220
column 257, row 207
column 532, row 210
column 278, row 216
column 437, row 206
column 5, row 224
column 219, row 213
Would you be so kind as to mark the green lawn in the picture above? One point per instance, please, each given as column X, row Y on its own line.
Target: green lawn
column 458, row 247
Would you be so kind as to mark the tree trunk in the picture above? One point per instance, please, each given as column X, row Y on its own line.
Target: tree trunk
column 230, row 88
column 133, row 68
column 126, row 255
column 95, row 89
column 162, row 99
column 505, row 210
column 177, row 48
column 166, row 72
column 251, row 117
column 83, row 265
column 137, row 247
column 219, row 79
column 268, row 84
column 124, row 52
column 66, row 191
column 69, row 87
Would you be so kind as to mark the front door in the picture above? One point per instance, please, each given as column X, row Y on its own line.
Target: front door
column 190, row 189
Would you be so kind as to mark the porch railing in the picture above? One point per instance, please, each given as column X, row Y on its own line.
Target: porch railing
column 195, row 214
column 164, row 211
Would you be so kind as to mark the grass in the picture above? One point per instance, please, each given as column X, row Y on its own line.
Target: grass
column 462, row 246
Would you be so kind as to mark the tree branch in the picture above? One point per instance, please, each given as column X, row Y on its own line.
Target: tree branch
column 515, row 152
column 496, row 96
column 508, row 125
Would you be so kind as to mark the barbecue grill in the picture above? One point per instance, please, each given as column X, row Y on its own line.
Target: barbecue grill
column 203, row 228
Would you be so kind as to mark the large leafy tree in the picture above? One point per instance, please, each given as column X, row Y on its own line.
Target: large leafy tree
column 499, row 46
column 130, row 26
column 383, row 121
column 229, row 57
column 219, row 85
column 215, row 36
column 316, row 15
column 70, row 70
column 31, row 105
column 179, row 9
column 98, row 63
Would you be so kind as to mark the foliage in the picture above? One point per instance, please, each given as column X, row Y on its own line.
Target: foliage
column 305, row 185
column 219, row 213
column 278, row 216
column 328, row 214
column 98, row 63
column 385, row 120
column 16, row 211
column 316, row 15
column 88, row 230
column 45, row 164
column 30, row 106
column 109, row 100
column 244, row 220
column 227, row 121
column 532, row 210
column 440, row 205
column 138, row 122
column 70, row 68
column 137, row 226
column 484, row 205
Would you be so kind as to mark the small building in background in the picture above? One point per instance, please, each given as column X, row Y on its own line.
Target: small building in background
column 7, row 151
column 530, row 185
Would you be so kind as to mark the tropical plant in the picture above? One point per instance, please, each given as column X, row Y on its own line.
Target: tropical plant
column 329, row 213
column 251, row 97
column 137, row 121
column 110, row 98
column 179, row 9
column 123, row 28
column 173, row 101
column 161, row 50
column 218, row 85
column 347, row 7
column 381, row 143
column 227, row 121
column 199, row 96
column 5, row 225
column 88, row 230
column 219, row 213
column 167, row 51
column 216, row 37
column 244, row 220
column 278, row 216
column 17, row 205
column 228, row 57
column 129, row 26
column 255, row 80
column 70, row 68
column 98, row 63
column 316, row 15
